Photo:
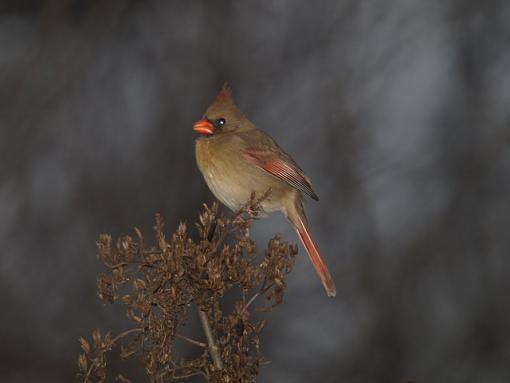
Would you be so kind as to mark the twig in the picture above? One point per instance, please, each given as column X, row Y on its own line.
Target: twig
column 234, row 221
column 218, row 244
column 174, row 370
column 262, row 291
column 189, row 375
column 122, row 335
column 213, row 347
column 192, row 341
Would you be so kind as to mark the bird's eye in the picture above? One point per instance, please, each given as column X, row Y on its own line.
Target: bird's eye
column 219, row 123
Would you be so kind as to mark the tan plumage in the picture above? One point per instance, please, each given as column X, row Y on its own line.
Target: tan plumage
column 237, row 159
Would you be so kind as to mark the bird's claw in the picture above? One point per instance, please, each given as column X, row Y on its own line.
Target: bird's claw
column 252, row 213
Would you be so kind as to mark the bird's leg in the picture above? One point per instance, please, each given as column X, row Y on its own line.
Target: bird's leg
column 252, row 212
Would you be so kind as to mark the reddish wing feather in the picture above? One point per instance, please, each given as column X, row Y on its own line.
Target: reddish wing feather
column 281, row 167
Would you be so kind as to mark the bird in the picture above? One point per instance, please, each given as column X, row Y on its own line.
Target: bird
column 238, row 160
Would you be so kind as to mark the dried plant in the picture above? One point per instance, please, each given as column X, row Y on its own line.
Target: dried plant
column 160, row 284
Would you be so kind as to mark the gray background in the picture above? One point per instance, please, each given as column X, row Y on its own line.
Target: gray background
column 398, row 111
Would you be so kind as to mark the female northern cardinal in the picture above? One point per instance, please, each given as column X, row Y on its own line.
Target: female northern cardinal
column 238, row 159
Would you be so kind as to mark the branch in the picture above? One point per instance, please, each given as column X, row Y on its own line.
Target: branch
column 213, row 348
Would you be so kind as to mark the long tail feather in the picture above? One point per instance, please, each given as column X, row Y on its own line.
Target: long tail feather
column 317, row 261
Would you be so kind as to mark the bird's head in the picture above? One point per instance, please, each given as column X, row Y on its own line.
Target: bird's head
column 222, row 116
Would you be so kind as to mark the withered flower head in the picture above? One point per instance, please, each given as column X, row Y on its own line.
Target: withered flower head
column 161, row 283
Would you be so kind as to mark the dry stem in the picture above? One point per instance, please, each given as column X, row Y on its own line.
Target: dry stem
column 189, row 340
column 213, row 347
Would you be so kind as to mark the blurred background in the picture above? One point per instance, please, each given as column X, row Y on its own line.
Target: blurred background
column 398, row 111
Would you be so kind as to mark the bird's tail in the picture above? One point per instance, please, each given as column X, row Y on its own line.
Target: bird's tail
column 301, row 226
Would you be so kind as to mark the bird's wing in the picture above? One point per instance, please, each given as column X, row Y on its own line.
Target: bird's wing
column 276, row 162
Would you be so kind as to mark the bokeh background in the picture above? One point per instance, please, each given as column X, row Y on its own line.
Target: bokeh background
column 398, row 111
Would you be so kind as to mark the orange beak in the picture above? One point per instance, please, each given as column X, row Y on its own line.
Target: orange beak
column 203, row 127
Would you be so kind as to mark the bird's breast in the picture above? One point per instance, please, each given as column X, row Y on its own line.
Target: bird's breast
column 222, row 178
column 231, row 178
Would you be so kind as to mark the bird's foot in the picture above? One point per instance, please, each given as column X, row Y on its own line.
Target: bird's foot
column 252, row 212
